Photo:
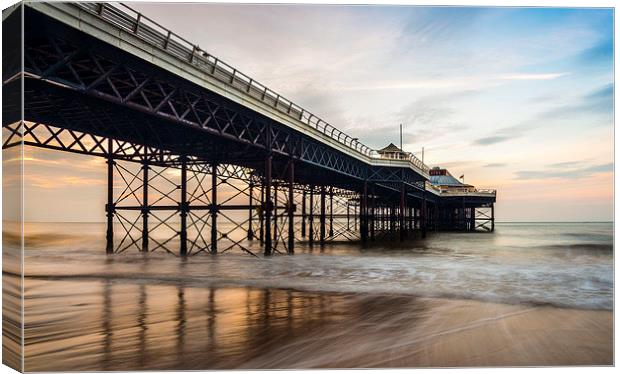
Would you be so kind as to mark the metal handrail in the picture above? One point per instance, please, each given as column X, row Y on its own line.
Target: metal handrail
column 160, row 37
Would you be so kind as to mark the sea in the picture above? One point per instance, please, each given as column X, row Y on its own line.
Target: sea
column 85, row 310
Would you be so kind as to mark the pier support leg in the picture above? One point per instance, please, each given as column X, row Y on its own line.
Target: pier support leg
column 423, row 214
column 311, row 217
column 184, row 207
column 392, row 221
column 322, row 217
column 363, row 213
column 268, row 205
column 261, row 215
column 331, row 212
column 250, row 209
column 145, row 204
column 303, row 214
column 401, row 223
column 492, row 217
column 214, row 208
column 109, row 248
column 275, row 238
column 373, row 202
column 291, row 208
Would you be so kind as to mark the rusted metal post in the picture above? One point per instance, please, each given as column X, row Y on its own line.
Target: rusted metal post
column 109, row 208
column 214, row 208
column 268, row 204
column 183, row 207
column 291, row 208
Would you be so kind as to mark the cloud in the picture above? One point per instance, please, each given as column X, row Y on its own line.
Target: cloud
column 600, row 53
column 565, row 164
column 598, row 102
column 489, row 140
column 563, row 173
column 530, row 77
column 495, row 165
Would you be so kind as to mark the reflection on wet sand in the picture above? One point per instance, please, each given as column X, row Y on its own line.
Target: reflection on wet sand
column 138, row 326
column 111, row 325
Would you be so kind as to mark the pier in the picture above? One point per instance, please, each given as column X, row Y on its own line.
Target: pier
column 202, row 154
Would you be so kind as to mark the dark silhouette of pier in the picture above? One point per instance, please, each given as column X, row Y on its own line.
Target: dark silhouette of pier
column 201, row 151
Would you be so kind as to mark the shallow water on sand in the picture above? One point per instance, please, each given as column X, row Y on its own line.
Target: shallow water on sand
column 88, row 311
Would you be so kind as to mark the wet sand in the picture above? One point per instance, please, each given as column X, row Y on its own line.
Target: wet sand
column 115, row 325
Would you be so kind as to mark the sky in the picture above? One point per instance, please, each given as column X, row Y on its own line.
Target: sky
column 518, row 99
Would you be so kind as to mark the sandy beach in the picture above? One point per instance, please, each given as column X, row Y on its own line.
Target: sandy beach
column 110, row 326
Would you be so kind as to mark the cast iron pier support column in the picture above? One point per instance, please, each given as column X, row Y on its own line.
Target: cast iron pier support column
column 322, row 217
column 214, row 208
column 423, row 214
column 372, row 213
column 268, row 204
column 275, row 238
column 261, row 215
column 291, row 208
column 401, row 223
column 145, row 202
column 331, row 212
column 250, row 203
column 311, row 217
column 364, row 214
column 183, row 207
column 492, row 217
column 109, row 207
column 303, row 214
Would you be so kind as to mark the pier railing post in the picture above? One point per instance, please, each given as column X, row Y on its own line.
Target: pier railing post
column 109, row 249
column 183, row 207
column 214, row 208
